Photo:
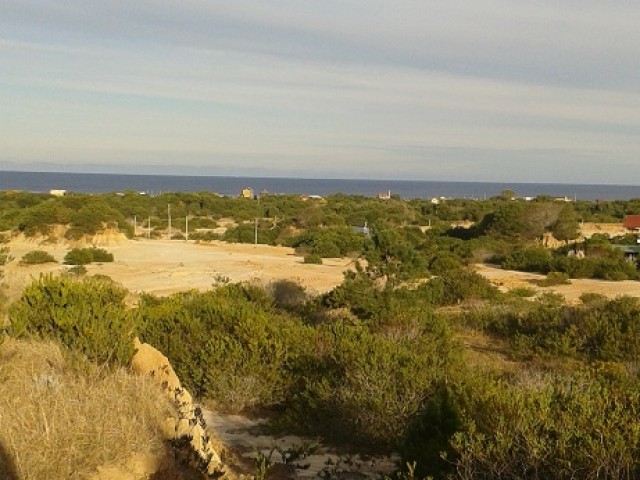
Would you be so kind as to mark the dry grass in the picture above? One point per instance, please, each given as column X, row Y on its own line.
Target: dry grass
column 62, row 417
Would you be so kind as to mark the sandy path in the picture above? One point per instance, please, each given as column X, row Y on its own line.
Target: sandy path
column 163, row 267
column 507, row 279
column 244, row 437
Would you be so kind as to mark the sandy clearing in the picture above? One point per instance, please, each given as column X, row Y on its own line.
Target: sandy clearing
column 508, row 279
column 163, row 267
column 244, row 436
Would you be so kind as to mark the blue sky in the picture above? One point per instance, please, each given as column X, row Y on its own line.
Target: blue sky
column 491, row 90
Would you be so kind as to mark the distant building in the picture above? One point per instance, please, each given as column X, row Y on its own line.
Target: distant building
column 632, row 223
column 246, row 193
column 385, row 195
column 364, row 230
column 57, row 193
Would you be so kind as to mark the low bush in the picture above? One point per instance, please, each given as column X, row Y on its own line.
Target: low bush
column 530, row 259
column 555, row 278
column 599, row 330
column 204, row 236
column 366, row 388
column 229, row 344
column 552, row 427
column 287, row 294
column 523, row 292
column 87, row 316
column 36, row 257
column 85, row 256
column 313, row 258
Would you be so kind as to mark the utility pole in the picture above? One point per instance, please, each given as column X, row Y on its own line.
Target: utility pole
column 134, row 226
column 256, row 232
column 169, row 215
column 186, row 227
column 149, row 227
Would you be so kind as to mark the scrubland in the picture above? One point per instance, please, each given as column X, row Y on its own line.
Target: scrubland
column 404, row 349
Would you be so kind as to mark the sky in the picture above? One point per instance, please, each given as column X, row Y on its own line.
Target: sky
column 466, row 90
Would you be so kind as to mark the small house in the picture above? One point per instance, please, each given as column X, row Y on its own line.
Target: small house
column 632, row 223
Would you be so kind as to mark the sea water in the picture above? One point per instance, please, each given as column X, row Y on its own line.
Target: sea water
column 157, row 184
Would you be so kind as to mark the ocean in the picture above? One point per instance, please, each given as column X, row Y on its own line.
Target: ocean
column 157, row 184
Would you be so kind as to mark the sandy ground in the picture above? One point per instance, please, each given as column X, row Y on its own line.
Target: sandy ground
column 243, row 435
column 508, row 279
column 163, row 267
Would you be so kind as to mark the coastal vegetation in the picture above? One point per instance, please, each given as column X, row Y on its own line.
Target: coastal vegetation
column 36, row 257
column 414, row 352
column 85, row 256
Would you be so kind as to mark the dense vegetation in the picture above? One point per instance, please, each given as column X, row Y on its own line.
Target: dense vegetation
column 504, row 229
column 387, row 369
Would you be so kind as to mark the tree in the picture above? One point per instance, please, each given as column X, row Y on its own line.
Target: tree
column 508, row 194
column 566, row 226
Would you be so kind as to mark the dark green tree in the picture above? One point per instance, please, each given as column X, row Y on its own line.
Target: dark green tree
column 566, row 226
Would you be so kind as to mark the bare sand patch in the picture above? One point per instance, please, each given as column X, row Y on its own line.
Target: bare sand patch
column 246, row 438
column 163, row 267
column 508, row 279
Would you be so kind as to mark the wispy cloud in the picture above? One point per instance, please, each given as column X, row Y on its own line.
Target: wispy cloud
column 326, row 87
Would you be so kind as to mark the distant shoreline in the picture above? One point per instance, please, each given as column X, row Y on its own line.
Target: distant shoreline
column 227, row 185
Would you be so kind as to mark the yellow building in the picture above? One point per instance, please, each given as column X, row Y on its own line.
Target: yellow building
column 246, row 193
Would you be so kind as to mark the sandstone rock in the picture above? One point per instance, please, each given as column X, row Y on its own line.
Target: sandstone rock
column 190, row 423
column 149, row 361
column 168, row 428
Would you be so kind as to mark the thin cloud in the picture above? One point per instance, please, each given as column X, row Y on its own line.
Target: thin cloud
column 322, row 91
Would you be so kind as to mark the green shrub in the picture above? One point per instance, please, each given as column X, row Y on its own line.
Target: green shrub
column 101, row 255
column 366, row 388
column 78, row 256
column 84, row 256
column 555, row 278
column 229, row 344
column 600, row 330
column 523, row 292
column 592, row 298
column 36, row 257
column 87, row 316
column 554, row 427
column 453, row 286
column 531, row 259
column 287, row 294
column 204, row 236
column 313, row 258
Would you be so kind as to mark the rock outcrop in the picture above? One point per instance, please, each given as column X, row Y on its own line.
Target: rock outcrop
column 188, row 431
